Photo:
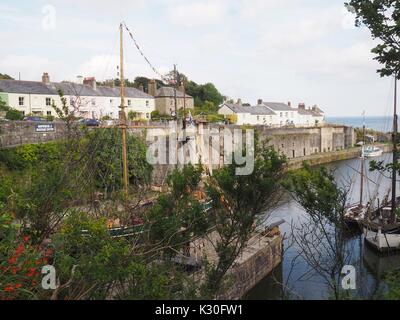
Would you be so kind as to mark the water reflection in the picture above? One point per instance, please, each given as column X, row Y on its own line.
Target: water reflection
column 295, row 279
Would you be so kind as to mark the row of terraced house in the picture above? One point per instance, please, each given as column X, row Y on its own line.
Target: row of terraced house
column 88, row 100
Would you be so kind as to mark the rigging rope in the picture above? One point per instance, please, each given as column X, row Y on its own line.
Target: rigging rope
column 162, row 77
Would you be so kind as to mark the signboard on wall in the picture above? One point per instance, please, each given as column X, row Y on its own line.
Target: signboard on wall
column 48, row 127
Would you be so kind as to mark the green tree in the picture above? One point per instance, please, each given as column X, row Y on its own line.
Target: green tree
column 177, row 216
column 5, row 77
column 240, row 203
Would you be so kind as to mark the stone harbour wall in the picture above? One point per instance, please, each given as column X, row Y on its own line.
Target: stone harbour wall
column 17, row 133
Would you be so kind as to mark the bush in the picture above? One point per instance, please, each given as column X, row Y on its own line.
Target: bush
column 30, row 154
column 14, row 115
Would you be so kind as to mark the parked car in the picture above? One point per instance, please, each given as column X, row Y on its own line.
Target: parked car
column 90, row 122
column 35, row 119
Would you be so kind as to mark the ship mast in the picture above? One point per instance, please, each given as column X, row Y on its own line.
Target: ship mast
column 362, row 166
column 395, row 157
column 122, row 116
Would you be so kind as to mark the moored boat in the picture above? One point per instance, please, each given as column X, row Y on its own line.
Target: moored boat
column 372, row 152
column 382, row 232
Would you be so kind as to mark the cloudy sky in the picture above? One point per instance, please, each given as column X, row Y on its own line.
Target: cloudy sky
column 279, row 50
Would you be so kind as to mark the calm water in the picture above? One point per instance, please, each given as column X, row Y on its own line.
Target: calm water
column 383, row 124
column 297, row 275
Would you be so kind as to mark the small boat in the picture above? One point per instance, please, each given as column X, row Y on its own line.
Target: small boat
column 382, row 231
column 384, row 240
column 355, row 214
column 372, row 152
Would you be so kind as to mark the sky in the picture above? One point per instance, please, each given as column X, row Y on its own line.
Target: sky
column 302, row 51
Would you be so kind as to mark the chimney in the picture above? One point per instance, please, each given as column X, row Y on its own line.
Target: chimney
column 181, row 88
column 260, row 102
column 302, row 106
column 79, row 80
column 153, row 88
column 289, row 104
column 239, row 102
column 45, row 78
column 91, row 82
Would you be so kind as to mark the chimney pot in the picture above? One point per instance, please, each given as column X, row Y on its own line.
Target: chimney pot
column 91, row 82
column 45, row 78
column 260, row 102
column 289, row 104
column 152, row 88
column 239, row 102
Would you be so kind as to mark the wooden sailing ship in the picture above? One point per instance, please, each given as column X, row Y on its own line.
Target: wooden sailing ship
column 382, row 230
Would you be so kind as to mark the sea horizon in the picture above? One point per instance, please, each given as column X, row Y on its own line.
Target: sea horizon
column 378, row 123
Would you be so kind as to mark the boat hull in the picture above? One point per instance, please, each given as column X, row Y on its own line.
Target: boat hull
column 382, row 242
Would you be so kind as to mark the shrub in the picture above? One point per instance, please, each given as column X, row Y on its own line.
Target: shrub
column 14, row 115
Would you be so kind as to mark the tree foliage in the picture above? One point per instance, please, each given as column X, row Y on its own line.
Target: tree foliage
column 5, row 77
column 238, row 203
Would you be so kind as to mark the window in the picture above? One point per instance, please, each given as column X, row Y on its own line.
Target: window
column 286, row 115
column 258, row 118
column 49, row 113
column 93, row 102
column 148, row 115
column 21, row 101
column 111, row 101
column 147, row 103
column 48, row 102
column 129, row 102
column 281, row 114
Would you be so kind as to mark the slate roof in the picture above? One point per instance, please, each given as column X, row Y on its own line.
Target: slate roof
column 168, row 92
column 68, row 88
column 278, row 106
column 24, row 87
column 305, row 112
column 254, row 110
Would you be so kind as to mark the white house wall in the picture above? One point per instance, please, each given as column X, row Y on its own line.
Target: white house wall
column 83, row 106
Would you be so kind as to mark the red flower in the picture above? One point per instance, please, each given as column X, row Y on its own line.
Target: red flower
column 18, row 285
column 26, row 239
column 13, row 260
column 31, row 272
column 14, row 271
column 9, row 288
column 20, row 249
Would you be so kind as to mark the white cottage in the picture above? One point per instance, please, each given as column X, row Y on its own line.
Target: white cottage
column 85, row 99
